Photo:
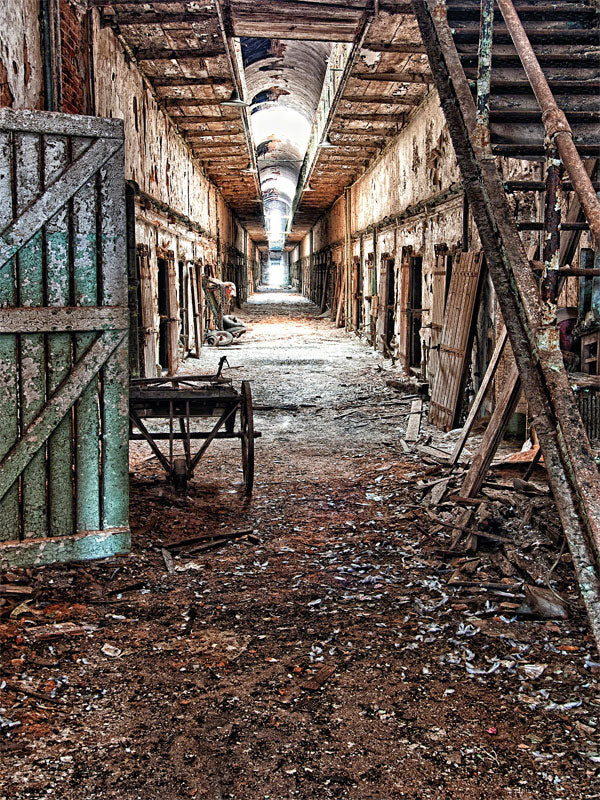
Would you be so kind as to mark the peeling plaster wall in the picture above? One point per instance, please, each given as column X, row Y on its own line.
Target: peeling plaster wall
column 21, row 77
column 156, row 157
column 419, row 165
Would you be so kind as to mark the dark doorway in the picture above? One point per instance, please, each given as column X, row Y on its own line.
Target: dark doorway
column 415, row 305
column 163, row 311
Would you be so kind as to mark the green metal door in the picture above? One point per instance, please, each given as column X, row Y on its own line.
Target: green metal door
column 63, row 339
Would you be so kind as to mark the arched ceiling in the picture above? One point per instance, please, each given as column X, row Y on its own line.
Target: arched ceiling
column 284, row 81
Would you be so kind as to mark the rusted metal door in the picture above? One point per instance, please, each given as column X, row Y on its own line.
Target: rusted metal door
column 63, row 339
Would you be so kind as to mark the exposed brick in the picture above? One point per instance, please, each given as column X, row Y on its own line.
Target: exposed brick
column 75, row 60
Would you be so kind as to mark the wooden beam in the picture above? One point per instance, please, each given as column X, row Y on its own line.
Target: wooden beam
column 168, row 54
column 372, row 117
column 394, row 77
column 198, row 119
column 184, row 80
column 382, row 99
column 191, row 101
column 378, row 133
column 160, row 18
column 194, row 138
column 394, row 47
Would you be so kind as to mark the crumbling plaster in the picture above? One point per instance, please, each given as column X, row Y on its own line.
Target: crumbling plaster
column 21, row 76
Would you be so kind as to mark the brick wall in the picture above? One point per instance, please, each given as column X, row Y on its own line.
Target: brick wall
column 74, row 34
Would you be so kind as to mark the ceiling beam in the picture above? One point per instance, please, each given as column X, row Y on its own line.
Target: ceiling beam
column 191, row 101
column 394, row 77
column 382, row 99
column 191, row 135
column 205, row 119
column 162, row 54
column 378, row 133
column 399, row 118
column 184, row 80
column 394, row 47
column 161, row 18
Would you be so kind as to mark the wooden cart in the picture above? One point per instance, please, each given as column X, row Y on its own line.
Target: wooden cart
column 179, row 402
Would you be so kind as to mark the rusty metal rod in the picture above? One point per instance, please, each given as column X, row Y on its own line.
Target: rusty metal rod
column 555, row 122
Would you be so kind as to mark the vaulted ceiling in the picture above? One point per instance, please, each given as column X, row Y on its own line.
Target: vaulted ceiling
column 196, row 53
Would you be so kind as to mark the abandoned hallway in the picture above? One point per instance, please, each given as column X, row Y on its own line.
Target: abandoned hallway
column 300, row 399
column 323, row 656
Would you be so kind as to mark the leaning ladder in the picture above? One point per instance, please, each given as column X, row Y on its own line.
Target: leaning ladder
column 529, row 314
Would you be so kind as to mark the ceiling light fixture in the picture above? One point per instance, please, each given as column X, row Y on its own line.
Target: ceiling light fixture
column 235, row 100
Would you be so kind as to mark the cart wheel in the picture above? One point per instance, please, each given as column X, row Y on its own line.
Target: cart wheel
column 247, row 436
column 180, row 477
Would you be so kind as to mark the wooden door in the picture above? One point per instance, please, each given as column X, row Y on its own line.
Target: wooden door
column 173, row 312
column 386, row 305
column 456, row 341
column 63, row 339
column 404, row 333
column 148, row 314
column 437, row 308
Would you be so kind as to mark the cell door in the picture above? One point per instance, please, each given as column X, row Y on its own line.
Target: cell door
column 64, row 320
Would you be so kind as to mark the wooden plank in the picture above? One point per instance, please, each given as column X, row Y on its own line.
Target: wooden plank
column 74, row 547
column 414, row 421
column 39, row 429
column 32, row 372
column 404, row 330
column 65, row 319
column 437, row 309
column 32, row 216
column 480, row 396
column 494, row 433
column 87, row 416
column 455, row 341
column 115, row 373
column 9, row 420
column 341, row 298
column 148, row 314
column 173, row 320
column 60, row 481
column 197, row 317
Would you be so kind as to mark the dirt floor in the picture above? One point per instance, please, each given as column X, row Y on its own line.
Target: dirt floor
column 326, row 655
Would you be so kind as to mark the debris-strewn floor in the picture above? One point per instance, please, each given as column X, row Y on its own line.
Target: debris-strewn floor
column 323, row 656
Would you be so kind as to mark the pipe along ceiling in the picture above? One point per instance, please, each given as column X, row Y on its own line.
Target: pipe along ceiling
column 284, row 80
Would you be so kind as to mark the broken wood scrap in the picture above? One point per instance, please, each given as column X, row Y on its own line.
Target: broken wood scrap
column 414, row 421
column 319, row 678
column 434, row 452
column 202, row 538
column 18, row 688
column 458, row 526
column 168, row 559
column 494, row 433
column 15, row 589
column 544, row 603
column 437, row 492
column 480, row 396
column 57, row 629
